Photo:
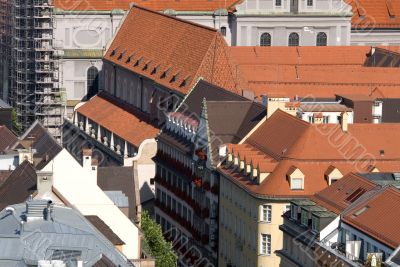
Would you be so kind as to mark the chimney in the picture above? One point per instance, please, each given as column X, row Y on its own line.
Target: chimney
column 87, row 157
column 44, row 183
column 344, row 122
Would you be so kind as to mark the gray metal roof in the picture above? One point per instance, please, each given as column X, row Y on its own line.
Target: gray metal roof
column 119, row 198
column 66, row 236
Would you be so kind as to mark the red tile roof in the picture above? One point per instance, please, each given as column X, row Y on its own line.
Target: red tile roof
column 320, row 72
column 378, row 216
column 158, row 5
column 334, row 197
column 313, row 149
column 171, row 52
column 302, row 55
column 375, row 14
column 122, row 121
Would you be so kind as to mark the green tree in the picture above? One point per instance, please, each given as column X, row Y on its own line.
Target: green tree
column 17, row 127
column 159, row 247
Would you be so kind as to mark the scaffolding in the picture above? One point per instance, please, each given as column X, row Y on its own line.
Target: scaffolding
column 33, row 87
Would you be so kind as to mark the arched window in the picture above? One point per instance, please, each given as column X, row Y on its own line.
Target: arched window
column 265, row 39
column 223, row 31
column 294, row 39
column 322, row 39
column 92, row 81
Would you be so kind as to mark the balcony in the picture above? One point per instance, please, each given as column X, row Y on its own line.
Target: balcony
column 174, row 164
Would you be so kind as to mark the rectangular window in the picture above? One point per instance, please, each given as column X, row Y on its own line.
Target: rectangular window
column 265, row 244
column 311, row 119
column 304, row 218
column 293, row 212
column 278, row 2
column 266, row 213
column 315, row 224
column 310, row 2
column 326, row 119
column 296, row 184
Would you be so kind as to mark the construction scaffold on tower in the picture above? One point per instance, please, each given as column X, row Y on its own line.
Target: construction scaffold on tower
column 32, row 87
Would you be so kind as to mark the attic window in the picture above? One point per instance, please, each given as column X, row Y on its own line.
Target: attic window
column 382, row 152
column 154, row 71
column 121, row 55
column 129, row 58
column 185, row 82
column 114, row 52
column 137, row 63
column 165, row 73
column 146, row 66
column 361, row 211
column 174, row 77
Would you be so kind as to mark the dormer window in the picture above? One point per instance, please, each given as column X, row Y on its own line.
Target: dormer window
column 146, row 66
column 137, row 63
column 165, row 73
column 295, row 178
column 114, row 52
column 174, row 77
column 155, row 69
column 185, row 81
column 293, row 211
column 332, row 175
column 121, row 55
column 315, row 224
column 304, row 217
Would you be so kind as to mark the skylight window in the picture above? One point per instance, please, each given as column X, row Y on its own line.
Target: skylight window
column 361, row 211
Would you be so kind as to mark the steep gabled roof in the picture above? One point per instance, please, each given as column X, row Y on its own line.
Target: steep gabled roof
column 119, row 179
column 7, row 139
column 170, row 51
column 18, row 186
column 44, row 144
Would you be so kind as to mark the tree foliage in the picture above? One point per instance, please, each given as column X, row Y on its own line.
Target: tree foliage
column 17, row 127
column 159, row 247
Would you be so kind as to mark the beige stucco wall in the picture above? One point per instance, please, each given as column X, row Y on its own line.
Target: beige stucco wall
column 240, row 228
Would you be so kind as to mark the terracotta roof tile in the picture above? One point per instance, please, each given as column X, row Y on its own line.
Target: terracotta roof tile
column 120, row 120
column 334, row 197
column 377, row 216
column 304, row 55
column 313, row 149
column 173, row 46
column 375, row 14
column 158, row 5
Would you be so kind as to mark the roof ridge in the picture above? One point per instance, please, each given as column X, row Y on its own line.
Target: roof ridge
column 134, row 5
